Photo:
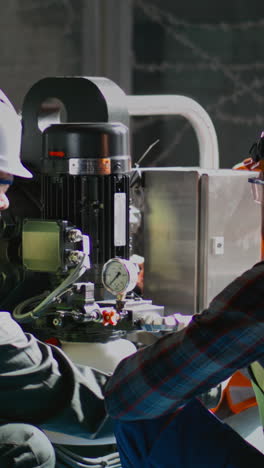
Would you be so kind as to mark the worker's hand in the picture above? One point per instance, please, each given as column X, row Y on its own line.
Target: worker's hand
column 148, row 318
column 154, row 322
column 4, row 202
column 5, row 182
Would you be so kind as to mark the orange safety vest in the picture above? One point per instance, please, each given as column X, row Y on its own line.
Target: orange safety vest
column 238, row 393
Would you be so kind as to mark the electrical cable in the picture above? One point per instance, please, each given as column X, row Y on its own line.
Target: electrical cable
column 74, row 460
column 18, row 311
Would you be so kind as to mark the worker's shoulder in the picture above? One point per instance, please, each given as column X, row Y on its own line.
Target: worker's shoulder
column 10, row 330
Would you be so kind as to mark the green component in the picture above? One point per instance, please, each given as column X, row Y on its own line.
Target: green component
column 41, row 245
column 258, row 386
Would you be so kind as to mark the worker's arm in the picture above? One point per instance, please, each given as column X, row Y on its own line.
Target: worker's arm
column 166, row 375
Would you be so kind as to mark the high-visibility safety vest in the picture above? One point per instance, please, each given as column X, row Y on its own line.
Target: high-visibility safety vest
column 238, row 393
column 257, row 373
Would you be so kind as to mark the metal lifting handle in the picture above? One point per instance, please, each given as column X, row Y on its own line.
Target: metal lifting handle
column 192, row 111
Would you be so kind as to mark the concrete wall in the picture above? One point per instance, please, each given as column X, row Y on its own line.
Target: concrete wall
column 38, row 38
column 42, row 38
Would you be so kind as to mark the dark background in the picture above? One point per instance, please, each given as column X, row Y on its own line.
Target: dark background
column 211, row 52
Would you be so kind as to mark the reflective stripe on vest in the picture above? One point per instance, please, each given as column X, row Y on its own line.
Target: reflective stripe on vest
column 238, row 393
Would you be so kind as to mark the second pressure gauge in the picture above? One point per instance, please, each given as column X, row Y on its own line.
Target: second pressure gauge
column 119, row 275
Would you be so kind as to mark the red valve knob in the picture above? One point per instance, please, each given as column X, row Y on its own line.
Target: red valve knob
column 110, row 317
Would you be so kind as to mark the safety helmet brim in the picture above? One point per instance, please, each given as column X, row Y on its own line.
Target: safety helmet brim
column 21, row 171
column 14, row 169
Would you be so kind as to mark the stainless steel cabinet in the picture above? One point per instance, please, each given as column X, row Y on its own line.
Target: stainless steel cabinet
column 201, row 230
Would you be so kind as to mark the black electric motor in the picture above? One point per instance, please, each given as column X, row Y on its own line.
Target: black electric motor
column 81, row 162
column 85, row 180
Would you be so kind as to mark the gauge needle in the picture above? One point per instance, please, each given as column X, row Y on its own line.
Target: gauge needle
column 116, row 276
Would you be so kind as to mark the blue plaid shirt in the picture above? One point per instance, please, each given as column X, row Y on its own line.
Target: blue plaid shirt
column 163, row 377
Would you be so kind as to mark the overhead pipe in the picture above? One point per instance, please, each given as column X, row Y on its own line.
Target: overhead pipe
column 149, row 105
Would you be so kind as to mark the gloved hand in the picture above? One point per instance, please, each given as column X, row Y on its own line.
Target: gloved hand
column 153, row 321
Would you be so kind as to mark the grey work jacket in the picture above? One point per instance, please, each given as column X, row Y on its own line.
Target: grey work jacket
column 41, row 386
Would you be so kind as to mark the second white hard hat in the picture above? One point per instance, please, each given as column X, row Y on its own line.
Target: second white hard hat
column 10, row 139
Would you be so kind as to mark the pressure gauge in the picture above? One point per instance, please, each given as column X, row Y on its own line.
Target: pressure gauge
column 119, row 275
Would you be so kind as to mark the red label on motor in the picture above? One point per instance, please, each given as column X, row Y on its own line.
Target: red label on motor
column 57, row 154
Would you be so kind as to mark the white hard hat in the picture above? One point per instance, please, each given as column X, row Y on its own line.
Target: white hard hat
column 10, row 139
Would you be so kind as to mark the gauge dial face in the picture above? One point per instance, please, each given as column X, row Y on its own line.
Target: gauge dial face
column 119, row 275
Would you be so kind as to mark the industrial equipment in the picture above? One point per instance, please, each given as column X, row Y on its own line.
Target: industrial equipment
column 67, row 259
column 67, row 240
column 72, row 233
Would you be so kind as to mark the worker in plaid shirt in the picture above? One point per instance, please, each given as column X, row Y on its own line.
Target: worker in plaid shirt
column 151, row 395
column 179, row 366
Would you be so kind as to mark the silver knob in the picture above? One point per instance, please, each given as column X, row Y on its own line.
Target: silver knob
column 75, row 235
